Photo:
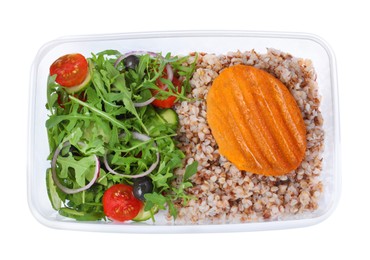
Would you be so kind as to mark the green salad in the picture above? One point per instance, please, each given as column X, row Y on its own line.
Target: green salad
column 111, row 131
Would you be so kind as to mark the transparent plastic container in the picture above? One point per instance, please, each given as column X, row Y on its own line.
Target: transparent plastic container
column 219, row 42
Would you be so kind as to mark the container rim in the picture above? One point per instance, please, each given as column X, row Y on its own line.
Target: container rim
column 208, row 228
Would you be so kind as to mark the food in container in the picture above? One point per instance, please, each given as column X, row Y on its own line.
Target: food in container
column 220, row 193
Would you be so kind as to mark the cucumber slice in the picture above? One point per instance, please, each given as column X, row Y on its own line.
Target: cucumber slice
column 170, row 116
column 56, row 202
column 78, row 88
column 78, row 215
column 145, row 215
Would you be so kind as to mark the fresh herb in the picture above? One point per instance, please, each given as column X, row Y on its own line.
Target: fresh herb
column 103, row 118
column 191, row 169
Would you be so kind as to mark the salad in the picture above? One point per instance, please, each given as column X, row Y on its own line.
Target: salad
column 111, row 133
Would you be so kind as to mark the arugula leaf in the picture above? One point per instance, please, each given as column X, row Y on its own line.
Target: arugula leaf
column 110, row 73
column 100, row 112
column 98, row 82
column 156, row 199
column 143, row 65
column 161, row 181
column 103, row 180
column 109, row 52
column 172, row 209
column 190, row 170
column 52, row 96
column 81, row 168
column 127, row 99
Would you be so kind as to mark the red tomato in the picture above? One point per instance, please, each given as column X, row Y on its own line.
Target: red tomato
column 170, row 101
column 120, row 204
column 71, row 70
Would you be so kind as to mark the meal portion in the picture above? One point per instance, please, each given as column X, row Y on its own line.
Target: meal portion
column 208, row 138
column 224, row 194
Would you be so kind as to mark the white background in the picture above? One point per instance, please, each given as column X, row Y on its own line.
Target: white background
column 26, row 25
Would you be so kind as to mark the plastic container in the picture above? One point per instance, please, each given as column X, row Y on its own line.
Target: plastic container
column 299, row 45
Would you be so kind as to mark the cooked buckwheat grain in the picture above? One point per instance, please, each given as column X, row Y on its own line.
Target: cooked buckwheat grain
column 222, row 193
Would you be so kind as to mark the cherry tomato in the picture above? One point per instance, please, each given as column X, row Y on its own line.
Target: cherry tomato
column 170, row 101
column 120, row 204
column 71, row 70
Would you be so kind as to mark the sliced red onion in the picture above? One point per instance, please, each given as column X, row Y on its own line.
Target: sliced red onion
column 55, row 177
column 150, row 100
column 150, row 53
column 145, row 103
column 140, row 137
column 169, row 73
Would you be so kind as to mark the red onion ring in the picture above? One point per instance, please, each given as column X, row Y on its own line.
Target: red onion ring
column 145, row 103
column 169, row 74
column 55, row 177
column 140, row 137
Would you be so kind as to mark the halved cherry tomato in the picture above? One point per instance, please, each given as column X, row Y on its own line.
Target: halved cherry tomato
column 170, row 101
column 71, row 70
column 120, row 204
